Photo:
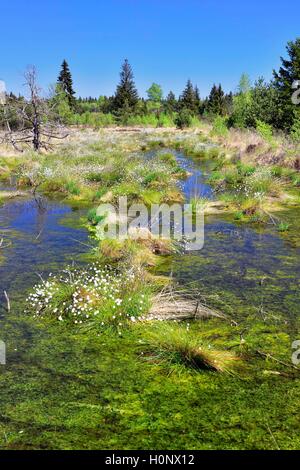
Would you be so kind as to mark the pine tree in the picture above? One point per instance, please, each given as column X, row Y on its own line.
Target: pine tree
column 126, row 97
column 66, row 83
column 188, row 98
column 288, row 73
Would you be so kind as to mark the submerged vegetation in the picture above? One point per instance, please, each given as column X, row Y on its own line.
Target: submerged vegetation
column 109, row 376
column 88, row 366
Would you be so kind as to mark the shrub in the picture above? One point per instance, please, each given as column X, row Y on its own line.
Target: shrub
column 295, row 131
column 220, row 126
column 93, row 119
column 165, row 120
column 265, row 131
column 184, row 119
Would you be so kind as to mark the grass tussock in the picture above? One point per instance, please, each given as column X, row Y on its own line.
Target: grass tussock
column 97, row 297
column 173, row 344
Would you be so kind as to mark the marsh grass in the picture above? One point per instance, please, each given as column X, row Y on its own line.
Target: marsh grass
column 97, row 297
column 173, row 344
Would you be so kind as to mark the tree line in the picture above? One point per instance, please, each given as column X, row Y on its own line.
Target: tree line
column 262, row 102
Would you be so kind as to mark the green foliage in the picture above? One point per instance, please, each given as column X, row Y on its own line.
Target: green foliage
column 189, row 99
column 295, row 130
column 155, row 93
column 126, row 97
column 168, row 158
column 66, row 83
column 216, row 101
column 61, row 105
column 220, row 126
column 170, row 103
column 241, row 116
column 265, row 131
column 72, row 188
column 283, row 81
column 145, row 120
column 283, row 227
column 166, row 120
column 184, row 119
column 238, row 215
column 245, row 170
column 93, row 218
column 93, row 119
column 264, row 106
column 174, row 345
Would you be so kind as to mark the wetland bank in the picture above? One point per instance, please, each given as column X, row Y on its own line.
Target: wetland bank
column 85, row 367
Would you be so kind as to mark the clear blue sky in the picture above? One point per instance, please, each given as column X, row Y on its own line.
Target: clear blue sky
column 166, row 41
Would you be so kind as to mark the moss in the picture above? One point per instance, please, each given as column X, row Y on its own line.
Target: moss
column 72, row 393
column 78, row 388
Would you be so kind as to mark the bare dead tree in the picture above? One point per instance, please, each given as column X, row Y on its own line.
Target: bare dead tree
column 36, row 123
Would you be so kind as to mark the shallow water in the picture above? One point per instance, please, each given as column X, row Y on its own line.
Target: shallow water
column 62, row 389
column 243, row 269
column 38, row 237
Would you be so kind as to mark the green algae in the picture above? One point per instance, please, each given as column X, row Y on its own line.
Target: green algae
column 65, row 389
column 68, row 389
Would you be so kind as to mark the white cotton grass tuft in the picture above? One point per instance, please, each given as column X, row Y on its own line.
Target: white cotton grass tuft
column 96, row 295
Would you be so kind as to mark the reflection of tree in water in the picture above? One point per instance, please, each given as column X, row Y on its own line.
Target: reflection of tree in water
column 41, row 217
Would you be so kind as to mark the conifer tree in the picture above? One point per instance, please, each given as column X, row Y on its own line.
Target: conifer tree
column 197, row 97
column 188, row 98
column 126, row 96
column 216, row 101
column 170, row 104
column 66, row 83
column 288, row 73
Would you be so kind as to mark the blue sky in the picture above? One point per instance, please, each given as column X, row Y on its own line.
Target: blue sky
column 165, row 41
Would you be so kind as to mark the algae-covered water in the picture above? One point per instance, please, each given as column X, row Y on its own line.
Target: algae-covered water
column 63, row 389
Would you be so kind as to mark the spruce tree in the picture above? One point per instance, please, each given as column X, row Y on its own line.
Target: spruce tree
column 216, row 101
column 170, row 104
column 66, row 83
column 188, row 98
column 288, row 73
column 126, row 96
column 197, row 97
